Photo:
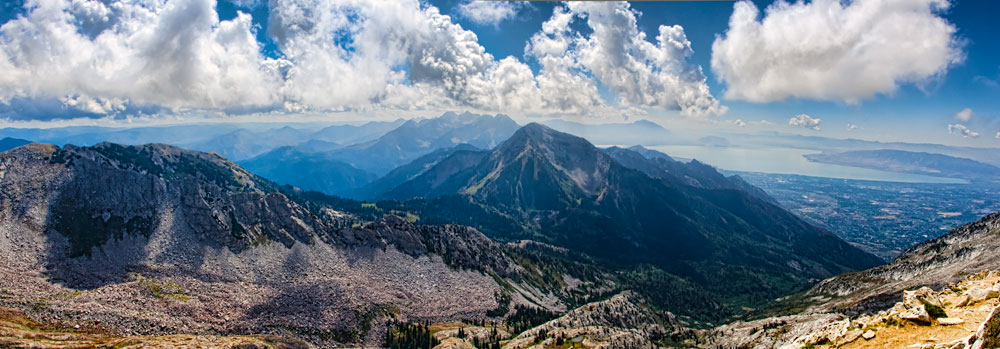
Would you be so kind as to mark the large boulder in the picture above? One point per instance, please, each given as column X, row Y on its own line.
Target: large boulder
column 917, row 314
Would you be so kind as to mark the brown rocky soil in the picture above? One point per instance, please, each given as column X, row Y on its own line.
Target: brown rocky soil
column 17, row 330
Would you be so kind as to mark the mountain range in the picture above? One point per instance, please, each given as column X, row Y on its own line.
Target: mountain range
column 686, row 219
column 8, row 143
column 416, row 138
column 402, row 174
column 623, row 245
column 347, row 170
column 637, row 132
column 319, row 170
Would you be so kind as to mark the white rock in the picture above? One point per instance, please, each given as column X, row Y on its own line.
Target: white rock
column 977, row 294
column 962, row 301
column 948, row 321
column 918, row 314
column 868, row 335
column 850, row 336
column 923, row 295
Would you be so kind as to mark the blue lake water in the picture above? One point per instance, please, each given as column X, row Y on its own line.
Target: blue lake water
column 788, row 161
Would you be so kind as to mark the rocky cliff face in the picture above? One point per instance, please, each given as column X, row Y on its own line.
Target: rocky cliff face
column 156, row 239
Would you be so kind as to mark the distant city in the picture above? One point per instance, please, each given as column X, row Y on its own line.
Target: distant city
column 883, row 218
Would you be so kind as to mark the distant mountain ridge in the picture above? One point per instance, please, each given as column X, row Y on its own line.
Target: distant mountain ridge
column 8, row 143
column 236, row 141
column 351, row 134
column 347, row 170
column 912, row 162
column 317, row 171
column 435, row 181
column 243, row 144
column 416, row 138
column 637, row 132
column 404, row 173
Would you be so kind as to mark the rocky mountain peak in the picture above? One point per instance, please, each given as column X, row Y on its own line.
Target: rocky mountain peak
column 170, row 162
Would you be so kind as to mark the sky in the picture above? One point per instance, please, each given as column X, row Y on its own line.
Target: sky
column 890, row 70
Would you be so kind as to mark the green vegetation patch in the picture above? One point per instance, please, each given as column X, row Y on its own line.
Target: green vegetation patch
column 503, row 305
column 163, row 289
column 935, row 311
column 526, row 318
column 408, row 335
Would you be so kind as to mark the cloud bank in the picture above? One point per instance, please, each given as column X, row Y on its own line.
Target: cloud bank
column 964, row 115
column 97, row 59
column 806, row 121
column 961, row 130
column 833, row 50
column 489, row 12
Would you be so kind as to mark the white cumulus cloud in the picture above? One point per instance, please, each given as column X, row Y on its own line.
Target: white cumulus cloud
column 806, row 121
column 964, row 115
column 488, row 11
column 833, row 50
column 96, row 55
column 617, row 53
column 961, row 130
column 103, row 57
column 852, row 127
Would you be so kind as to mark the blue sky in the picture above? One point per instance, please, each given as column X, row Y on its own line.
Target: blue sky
column 923, row 111
column 927, row 60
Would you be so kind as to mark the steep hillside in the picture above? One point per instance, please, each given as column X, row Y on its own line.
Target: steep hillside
column 435, row 180
column 622, row 321
column 154, row 239
column 966, row 250
column 693, row 173
column 730, row 245
column 941, row 293
column 963, row 315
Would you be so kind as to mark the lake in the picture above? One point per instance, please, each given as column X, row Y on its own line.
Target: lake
column 788, row 161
